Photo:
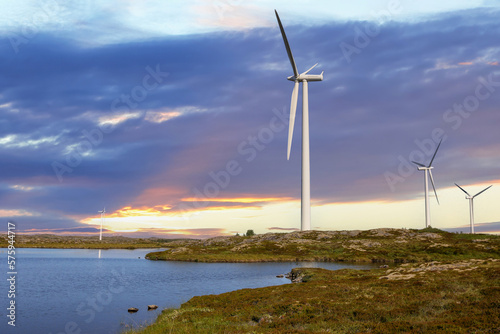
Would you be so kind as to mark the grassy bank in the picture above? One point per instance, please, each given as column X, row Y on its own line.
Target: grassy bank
column 380, row 245
column 56, row 241
column 453, row 297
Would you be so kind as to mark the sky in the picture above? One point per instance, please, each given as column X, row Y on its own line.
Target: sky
column 173, row 115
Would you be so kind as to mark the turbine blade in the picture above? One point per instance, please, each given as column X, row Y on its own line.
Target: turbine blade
column 433, row 187
column 287, row 46
column 482, row 191
column 293, row 109
column 462, row 189
column 435, row 152
column 310, row 69
column 418, row 163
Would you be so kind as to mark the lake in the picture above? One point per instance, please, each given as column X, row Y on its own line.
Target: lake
column 90, row 291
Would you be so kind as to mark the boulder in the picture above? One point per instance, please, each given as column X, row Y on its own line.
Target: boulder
column 152, row 307
column 133, row 310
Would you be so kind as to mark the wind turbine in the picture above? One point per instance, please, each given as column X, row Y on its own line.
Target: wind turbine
column 306, row 174
column 103, row 213
column 471, row 205
column 428, row 172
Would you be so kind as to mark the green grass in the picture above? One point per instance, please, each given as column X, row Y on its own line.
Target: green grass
column 382, row 245
column 458, row 297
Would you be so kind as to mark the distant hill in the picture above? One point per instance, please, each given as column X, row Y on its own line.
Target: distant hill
column 58, row 241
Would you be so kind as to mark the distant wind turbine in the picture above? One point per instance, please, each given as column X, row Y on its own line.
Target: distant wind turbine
column 427, row 174
column 306, row 177
column 103, row 213
column 471, row 205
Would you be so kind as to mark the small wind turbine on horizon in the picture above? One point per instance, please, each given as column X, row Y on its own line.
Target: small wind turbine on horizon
column 471, row 204
column 305, row 224
column 428, row 173
column 103, row 213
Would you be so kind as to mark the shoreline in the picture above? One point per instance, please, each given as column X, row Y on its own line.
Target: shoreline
column 441, row 279
column 90, row 247
column 439, row 297
column 312, row 260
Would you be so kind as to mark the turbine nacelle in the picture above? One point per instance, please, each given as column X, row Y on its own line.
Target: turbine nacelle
column 424, row 168
column 304, row 76
column 469, row 196
column 307, row 77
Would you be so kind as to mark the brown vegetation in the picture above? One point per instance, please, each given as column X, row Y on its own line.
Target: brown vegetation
column 437, row 297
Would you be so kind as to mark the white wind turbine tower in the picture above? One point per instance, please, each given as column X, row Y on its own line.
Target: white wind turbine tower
column 471, row 205
column 428, row 173
column 306, row 177
column 103, row 213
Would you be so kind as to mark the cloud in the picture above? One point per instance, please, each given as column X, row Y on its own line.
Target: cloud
column 16, row 213
column 283, row 229
column 488, row 228
column 69, row 231
column 180, row 109
column 196, row 233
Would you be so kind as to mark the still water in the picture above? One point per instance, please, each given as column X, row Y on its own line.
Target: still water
column 89, row 291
